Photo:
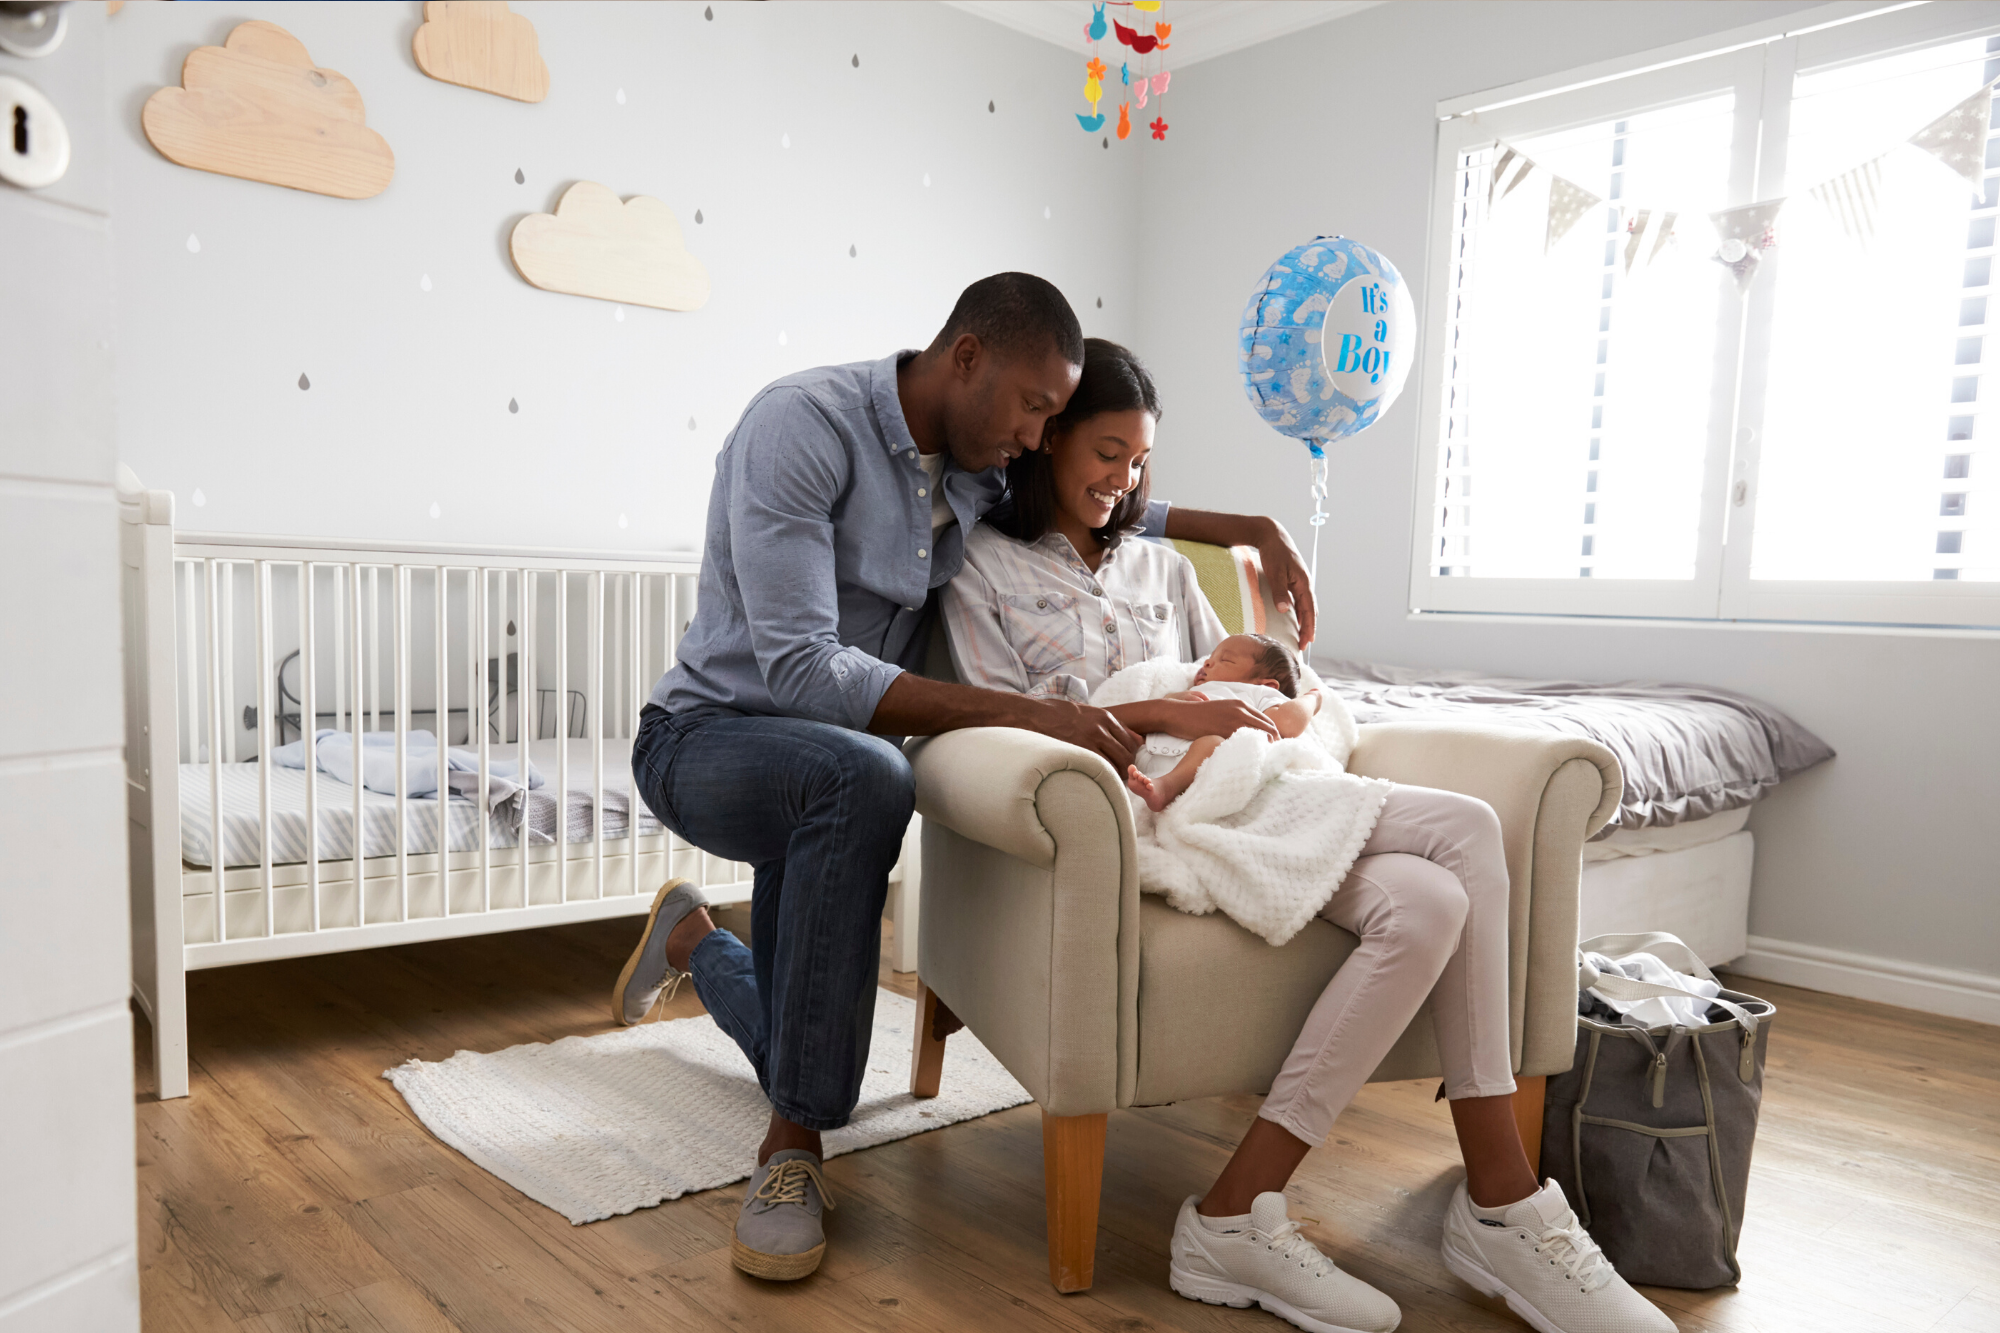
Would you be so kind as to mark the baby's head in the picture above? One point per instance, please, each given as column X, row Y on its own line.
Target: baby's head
column 1252, row 659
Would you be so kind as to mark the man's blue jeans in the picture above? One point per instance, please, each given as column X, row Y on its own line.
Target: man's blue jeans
column 818, row 812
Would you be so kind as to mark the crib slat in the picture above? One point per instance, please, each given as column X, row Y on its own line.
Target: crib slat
column 562, row 734
column 635, row 652
column 309, row 729
column 262, row 623
column 217, row 862
column 401, row 717
column 374, row 658
column 442, row 705
column 191, row 678
column 524, row 693
column 595, row 713
column 354, row 648
column 482, row 636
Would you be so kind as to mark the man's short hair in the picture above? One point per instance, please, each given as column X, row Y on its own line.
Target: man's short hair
column 1014, row 314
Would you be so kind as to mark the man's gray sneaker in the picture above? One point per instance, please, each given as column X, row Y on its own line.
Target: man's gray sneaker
column 779, row 1233
column 647, row 972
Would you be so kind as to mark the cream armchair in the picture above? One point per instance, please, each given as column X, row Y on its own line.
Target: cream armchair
column 1033, row 932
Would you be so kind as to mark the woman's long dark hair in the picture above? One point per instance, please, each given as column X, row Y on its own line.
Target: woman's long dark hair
column 1113, row 381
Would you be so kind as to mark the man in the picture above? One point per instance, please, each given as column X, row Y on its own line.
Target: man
column 840, row 508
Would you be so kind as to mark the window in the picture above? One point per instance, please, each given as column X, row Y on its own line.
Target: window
column 1653, row 432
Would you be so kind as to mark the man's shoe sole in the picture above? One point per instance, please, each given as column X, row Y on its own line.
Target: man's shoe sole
column 1469, row 1271
column 775, row 1267
column 1216, row 1291
column 632, row 963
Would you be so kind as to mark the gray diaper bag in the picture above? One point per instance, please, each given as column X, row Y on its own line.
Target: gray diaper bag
column 1649, row 1133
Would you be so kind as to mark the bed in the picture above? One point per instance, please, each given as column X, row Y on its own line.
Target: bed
column 238, row 647
column 1677, row 856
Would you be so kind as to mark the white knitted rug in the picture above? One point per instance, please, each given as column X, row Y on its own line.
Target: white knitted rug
column 598, row 1126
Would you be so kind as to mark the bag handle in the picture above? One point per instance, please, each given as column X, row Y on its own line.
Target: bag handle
column 1668, row 949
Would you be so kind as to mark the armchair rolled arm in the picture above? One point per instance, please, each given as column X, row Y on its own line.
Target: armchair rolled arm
column 984, row 784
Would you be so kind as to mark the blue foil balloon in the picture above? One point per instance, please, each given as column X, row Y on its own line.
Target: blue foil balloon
column 1326, row 340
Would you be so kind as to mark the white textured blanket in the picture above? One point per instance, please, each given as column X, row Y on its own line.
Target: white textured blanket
column 1268, row 829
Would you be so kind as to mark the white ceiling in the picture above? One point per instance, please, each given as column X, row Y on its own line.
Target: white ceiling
column 1202, row 28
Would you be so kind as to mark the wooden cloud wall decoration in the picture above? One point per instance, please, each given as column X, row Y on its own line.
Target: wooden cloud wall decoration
column 481, row 44
column 258, row 108
column 592, row 245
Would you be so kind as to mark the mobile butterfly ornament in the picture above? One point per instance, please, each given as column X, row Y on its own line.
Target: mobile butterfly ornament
column 1325, row 348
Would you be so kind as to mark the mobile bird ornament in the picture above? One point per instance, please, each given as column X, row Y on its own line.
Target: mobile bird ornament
column 1142, row 76
column 1325, row 346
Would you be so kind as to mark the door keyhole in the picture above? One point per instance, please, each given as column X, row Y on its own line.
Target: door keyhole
column 21, row 130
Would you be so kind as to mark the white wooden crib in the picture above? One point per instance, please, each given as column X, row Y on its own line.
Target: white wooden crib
column 515, row 655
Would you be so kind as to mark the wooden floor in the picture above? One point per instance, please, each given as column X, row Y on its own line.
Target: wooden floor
column 294, row 1191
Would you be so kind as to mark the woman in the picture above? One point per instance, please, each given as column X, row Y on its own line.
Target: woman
column 1057, row 596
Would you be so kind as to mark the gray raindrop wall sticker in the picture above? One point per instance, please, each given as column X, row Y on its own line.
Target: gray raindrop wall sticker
column 435, row 511
column 989, row 107
column 199, row 498
column 857, row 61
column 621, row 97
column 709, row 13
column 1100, row 303
column 424, row 282
column 519, row 178
column 304, row 383
column 690, row 423
column 510, row 629
column 513, row 404
column 624, row 522
column 697, row 217
column 194, row 244
column 851, row 252
column 1107, row 141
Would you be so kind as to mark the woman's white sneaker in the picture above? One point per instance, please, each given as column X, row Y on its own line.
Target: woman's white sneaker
column 1265, row 1261
column 1538, row 1258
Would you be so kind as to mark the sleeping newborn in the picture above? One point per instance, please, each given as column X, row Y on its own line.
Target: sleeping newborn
column 1252, row 667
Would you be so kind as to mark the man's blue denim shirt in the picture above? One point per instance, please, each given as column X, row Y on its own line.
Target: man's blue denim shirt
column 819, row 565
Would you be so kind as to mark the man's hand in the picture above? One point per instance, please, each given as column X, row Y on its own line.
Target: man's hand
column 1284, row 568
column 1190, row 721
column 1093, row 729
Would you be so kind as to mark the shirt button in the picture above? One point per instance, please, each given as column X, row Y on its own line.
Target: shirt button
column 1096, row 591
column 921, row 492
column 1041, row 603
column 1110, row 627
column 922, row 554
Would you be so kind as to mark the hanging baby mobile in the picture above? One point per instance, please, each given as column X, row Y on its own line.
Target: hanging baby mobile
column 1140, row 77
column 1740, row 236
column 1325, row 348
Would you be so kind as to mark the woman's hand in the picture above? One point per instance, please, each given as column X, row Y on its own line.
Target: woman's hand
column 1284, row 567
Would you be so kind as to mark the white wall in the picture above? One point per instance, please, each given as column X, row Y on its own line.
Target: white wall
column 408, row 404
column 67, row 1230
column 1886, row 851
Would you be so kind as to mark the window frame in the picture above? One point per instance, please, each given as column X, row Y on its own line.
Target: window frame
column 1759, row 70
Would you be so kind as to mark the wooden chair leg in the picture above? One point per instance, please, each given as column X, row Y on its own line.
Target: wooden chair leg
column 1529, row 1096
column 1073, row 1175
column 927, row 1045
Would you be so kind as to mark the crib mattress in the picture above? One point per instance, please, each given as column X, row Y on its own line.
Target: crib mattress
column 242, row 842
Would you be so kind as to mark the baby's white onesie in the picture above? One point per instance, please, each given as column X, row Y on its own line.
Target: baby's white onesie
column 1161, row 751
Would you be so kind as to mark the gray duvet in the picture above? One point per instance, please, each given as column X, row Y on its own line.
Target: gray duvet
column 1688, row 751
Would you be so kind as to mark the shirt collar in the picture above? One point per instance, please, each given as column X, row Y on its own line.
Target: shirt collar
column 888, row 406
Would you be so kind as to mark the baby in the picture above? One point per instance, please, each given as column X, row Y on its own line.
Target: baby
column 1252, row 667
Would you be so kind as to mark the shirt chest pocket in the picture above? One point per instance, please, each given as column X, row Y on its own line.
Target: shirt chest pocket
column 1158, row 634
column 1045, row 630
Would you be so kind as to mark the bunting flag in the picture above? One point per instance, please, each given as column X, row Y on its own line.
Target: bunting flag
column 1958, row 137
column 1568, row 202
column 1662, row 233
column 1635, row 232
column 1742, row 236
column 1513, row 166
column 1853, row 198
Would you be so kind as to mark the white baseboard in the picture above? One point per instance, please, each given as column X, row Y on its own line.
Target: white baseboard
column 1936, row 990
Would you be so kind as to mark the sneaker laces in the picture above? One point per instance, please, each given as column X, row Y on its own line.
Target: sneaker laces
column 1578, row 1254
column 1289, row 1241
column 664, row 996
column 787, row 1184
